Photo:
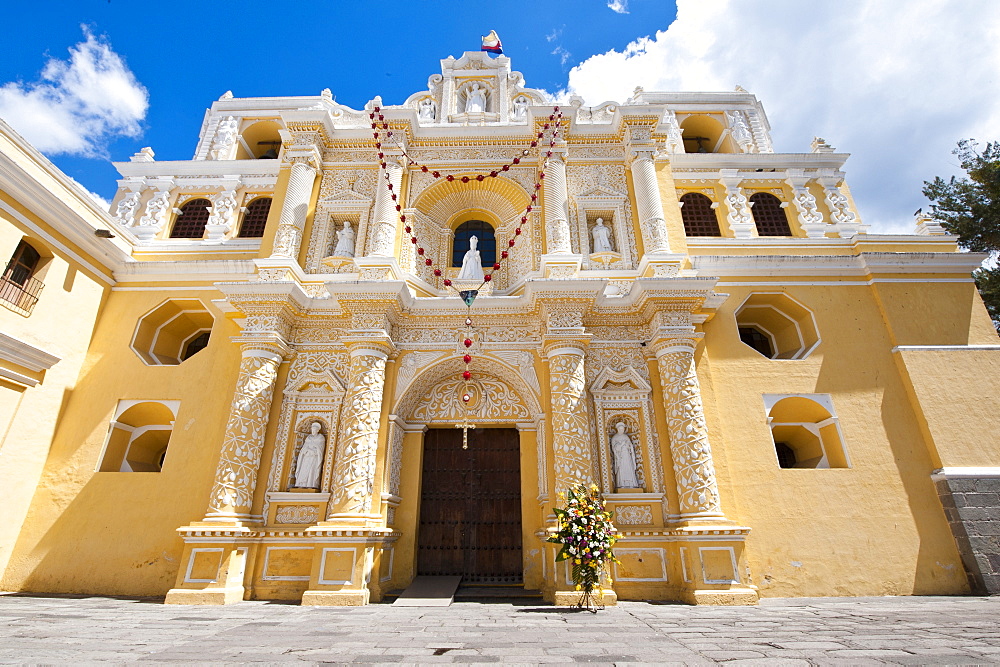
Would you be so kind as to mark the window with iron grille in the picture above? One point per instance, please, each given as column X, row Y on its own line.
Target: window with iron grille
column 191, row 221
column 255, row 218
column 699, row 216
column 487, row 245
column 768, row 215
column 19, row 289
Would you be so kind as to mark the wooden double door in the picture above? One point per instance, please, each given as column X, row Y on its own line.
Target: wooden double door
column 470, row 506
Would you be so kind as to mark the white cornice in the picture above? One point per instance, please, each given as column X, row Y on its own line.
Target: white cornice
column 859, row 265
column 965, row 472
column 75, row 219
column 205, row 270
column 751, row 162
column 210, row 169
column 26, row 355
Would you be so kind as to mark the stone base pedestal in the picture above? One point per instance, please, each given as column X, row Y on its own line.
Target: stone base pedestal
column 205, row 596
column 734, row 597
column 355, row 598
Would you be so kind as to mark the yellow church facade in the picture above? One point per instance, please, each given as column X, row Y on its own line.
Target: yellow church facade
column 246, row 381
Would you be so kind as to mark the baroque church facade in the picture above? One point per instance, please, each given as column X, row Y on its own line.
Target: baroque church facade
column 260, row 390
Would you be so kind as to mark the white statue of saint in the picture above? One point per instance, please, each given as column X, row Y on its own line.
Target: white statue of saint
column 602, row 237
column 345, row 241
column 309, row 464
column 520, row 107
column 472, row 266
column 427, row 109
column 624, row 457
column 475, row 100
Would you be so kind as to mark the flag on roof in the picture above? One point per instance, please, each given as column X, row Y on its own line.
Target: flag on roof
column 491, row 44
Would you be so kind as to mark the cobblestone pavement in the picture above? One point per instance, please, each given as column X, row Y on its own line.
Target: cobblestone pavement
column 898, row 630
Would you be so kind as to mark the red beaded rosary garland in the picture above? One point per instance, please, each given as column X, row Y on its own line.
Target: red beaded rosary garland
column 555, row 122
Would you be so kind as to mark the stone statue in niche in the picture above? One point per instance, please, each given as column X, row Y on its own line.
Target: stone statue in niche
column 602, row 237
column 475, row 100
column 623, row 452
column 345, row 241
column 428, row 110
column 309, row 463
column 520, row 107
column 472, row 266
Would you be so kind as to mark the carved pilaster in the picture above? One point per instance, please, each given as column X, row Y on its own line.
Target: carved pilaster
column 383, row 235
column 128, row 206
column 652, row 221
column 844, row 220
column 354, row 471
column 810, row 218
column 555, row 196
column 571, row 439
column 157, row 210
column 295, row 207
column 737, row 206
column 694, row 471
column 220, row 221
column 236, row 473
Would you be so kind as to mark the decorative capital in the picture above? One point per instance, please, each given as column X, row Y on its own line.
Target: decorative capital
column 306, row 155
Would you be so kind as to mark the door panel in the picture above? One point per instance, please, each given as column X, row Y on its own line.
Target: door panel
column 470, row 512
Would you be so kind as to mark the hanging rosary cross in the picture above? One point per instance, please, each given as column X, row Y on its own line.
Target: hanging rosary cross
column 465, row 426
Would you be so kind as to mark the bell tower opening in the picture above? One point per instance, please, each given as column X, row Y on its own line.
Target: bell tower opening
column 470, row 506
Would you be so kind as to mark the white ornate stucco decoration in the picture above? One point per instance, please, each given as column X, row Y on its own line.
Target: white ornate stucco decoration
column 157, row 208
column 675, row 142
column 220, row 221
column 571, row 443
column 740, row 130
column 737, row 206
column 694, row 470
column 127, row 208
column 225, row 139
column 810, row 219
column 236, row 474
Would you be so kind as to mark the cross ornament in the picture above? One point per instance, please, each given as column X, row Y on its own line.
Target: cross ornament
column 465, row 426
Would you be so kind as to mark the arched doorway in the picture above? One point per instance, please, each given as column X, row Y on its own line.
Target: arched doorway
column 471, row 518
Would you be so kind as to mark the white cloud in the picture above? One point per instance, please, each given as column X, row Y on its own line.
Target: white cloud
column 563, row 54
column 894, row 84
column 618, row 6
column 78, row 104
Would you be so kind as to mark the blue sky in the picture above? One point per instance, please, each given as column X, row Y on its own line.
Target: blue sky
column 186, row 54
column 894, row 84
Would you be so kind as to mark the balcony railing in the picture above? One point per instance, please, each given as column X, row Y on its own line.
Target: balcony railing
column 20, row 296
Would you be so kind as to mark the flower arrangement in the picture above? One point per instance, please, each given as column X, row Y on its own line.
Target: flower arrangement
column 587, row 535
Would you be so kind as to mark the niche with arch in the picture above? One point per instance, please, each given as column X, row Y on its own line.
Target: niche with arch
column 777, row 326
column 705, row 133
column 485, row 236
column 172, row 332
column 260, row 140
column 139, row 436
column 805, row 431
column 21, row 283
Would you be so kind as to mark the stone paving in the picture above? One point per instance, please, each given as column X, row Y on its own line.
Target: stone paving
column 896, row 630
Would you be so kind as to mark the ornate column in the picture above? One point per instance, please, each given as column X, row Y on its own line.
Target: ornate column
column 382, row 239
column 652, row 221
column 694, row 471
column 555, row 197
column 810, row 218
column 236, row 473
column 737, row 207
column 354, row 470
column 565, row 348
column 295, row 207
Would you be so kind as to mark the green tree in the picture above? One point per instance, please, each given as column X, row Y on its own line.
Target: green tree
column 969, row 207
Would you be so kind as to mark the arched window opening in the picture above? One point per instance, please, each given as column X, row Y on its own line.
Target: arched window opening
column 195, row 345
column 191, row 221
column 805, row 431
column 255, row 218
column 698, row 215
column 703, row 133
column 487, row 245
column 768, row 215
column 260, row 141
column 19, row 288
column 139, row 436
